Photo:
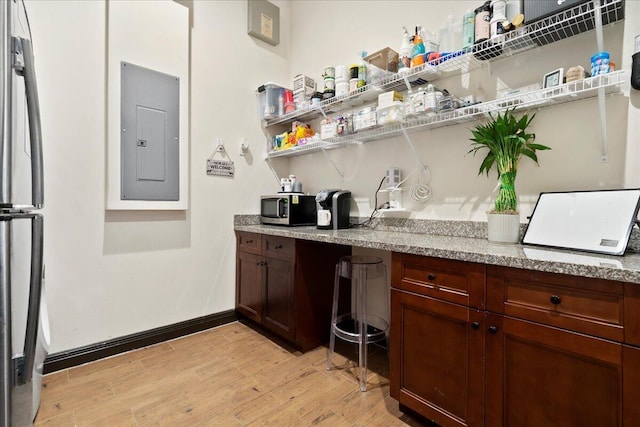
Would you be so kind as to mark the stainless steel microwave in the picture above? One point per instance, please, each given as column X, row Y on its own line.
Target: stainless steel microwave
column 288, row 209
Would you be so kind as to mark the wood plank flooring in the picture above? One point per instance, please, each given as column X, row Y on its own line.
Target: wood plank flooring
column 227, row 376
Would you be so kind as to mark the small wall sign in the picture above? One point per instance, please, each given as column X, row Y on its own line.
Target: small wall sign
column 220, row 168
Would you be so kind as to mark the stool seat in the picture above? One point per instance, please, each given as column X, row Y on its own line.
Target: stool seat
column 358, row 326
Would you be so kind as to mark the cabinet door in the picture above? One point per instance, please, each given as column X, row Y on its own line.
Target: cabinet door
column 279, row 312
column 542, row 376
column 249, row 285
column 436, row 359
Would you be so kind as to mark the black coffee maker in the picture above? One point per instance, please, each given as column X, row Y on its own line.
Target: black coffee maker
column 333, row 207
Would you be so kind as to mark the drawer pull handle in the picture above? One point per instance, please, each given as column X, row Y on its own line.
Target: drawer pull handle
column 278, row 247
column 475, row 325
column 431, row 277
column 555, row 299
column 248, row 241
column 493, row 330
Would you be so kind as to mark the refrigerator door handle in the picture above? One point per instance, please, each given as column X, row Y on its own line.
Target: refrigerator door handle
column 23, row 63
column 35, row 293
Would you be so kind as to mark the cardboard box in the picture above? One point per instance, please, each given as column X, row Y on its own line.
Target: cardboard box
column 385, row 59
column 388, row 98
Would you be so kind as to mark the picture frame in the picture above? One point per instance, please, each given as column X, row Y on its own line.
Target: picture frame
column 553, row 78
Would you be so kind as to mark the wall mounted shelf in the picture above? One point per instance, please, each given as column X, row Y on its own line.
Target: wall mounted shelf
column 576, row 20
column 612, row 83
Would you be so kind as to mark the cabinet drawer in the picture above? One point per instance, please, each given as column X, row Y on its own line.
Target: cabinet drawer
column 278, row 247
column 248, row 242
column 450, row 280
column 592, row 306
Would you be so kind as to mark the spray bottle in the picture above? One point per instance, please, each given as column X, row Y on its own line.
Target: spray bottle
column 405, row 50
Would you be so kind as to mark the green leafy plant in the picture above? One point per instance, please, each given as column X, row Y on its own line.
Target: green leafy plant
column 506, row 139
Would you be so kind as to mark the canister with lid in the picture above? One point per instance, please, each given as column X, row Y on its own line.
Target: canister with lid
column 483, row 22
column 498, row 16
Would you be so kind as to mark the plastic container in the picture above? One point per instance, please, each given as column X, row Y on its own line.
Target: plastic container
column 468, row 29
column 393, row 113
column 450, row 35
column 270, row 101
column 341, row 73
column 342, row 87
column 483, row 22
column 289, row 105
column 600, row 63
column 405, row 50
column 365, row 119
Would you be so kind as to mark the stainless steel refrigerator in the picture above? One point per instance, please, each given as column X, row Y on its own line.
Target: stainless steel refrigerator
column 24, row 330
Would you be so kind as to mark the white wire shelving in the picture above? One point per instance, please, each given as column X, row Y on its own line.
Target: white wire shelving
column 563, row 25
column 612, row 83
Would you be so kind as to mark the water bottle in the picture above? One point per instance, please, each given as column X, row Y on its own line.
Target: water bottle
column 468, row 29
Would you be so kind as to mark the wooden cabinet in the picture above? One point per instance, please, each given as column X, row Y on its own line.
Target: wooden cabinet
column 437, row 339
column 543, row 376
column 555, row 353
column 286, row 286
column 541, row 349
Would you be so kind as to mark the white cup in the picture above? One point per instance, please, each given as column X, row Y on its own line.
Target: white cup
column 324, row 217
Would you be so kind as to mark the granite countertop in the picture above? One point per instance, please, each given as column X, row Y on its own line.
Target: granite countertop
column 473, row 249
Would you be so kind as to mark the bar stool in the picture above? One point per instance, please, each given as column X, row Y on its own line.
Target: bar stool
column 358, row 326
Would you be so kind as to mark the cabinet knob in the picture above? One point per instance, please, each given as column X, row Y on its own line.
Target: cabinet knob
column 555, row 299
column 431, row 277
column 475, row 325
column 278, row 247
column 493, row 330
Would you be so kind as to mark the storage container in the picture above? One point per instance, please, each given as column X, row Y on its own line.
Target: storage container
column 392, row 113
column 385, row 59
column 327, row 129
column 388, row 98
column 365, row 119
column 270, row 101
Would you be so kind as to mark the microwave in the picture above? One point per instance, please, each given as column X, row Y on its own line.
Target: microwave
column 288, row 209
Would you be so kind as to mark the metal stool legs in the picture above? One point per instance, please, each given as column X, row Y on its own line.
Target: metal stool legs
column 356, row 327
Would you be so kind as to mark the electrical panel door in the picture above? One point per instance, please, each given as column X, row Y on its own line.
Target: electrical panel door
column 149, row 134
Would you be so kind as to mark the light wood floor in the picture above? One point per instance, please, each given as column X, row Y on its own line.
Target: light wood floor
column 226, row 376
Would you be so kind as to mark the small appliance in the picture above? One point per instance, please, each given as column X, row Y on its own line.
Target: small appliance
column 289, row 209
column 333, row 209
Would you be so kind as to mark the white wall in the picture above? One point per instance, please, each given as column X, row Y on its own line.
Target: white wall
column 111, row 274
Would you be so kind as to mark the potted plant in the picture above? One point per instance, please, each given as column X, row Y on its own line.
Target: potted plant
column 506, row 140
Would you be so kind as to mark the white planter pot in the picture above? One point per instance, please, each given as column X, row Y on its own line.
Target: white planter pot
column 503, row 228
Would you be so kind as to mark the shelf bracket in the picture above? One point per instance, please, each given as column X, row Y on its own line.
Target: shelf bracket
column 413, row 148
column 275, row 174
column 406, row 82
column 597, row 14
column 332, row 163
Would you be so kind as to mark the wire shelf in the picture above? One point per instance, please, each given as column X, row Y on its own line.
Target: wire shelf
column 612, row 83
column 568, row 23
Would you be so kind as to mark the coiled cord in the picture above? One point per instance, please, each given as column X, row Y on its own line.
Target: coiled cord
column 421, row 192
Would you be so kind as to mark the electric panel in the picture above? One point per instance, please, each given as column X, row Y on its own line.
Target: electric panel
column 149, row 135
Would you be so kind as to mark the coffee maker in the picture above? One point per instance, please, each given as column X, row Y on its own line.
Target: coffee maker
column 333, row 207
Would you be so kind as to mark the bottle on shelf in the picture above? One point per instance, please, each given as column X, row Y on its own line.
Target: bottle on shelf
column 468, row 28
column 405, row 50
column 483, row 22
column 498, row 16
column 362, row 70
column 417, row 52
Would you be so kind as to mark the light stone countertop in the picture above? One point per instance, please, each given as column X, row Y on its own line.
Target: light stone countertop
column 472, row 249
